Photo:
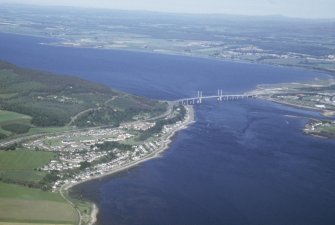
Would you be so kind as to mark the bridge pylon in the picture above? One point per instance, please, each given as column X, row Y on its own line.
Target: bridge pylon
column 220, row 94
column 199, row 97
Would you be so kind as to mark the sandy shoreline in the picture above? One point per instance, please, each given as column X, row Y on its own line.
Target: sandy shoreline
column 190, row 118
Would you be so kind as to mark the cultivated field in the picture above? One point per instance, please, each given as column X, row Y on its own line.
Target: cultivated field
column 10, row 223
column 6, row 116
column 33, row 206
column 19, row 165
column 12, row 123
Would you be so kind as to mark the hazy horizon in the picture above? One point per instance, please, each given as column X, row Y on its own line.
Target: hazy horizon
column 322, row 9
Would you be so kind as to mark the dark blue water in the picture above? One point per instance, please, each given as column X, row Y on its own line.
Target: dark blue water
column 243, row 162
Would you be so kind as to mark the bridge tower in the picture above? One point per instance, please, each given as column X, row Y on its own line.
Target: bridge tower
column 220, row 94
column 199, row 97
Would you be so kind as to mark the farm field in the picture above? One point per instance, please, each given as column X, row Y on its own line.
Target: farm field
column 10, row 223
column 13, row 123
column 19, row 165
column 6, row 116
column 33, row 206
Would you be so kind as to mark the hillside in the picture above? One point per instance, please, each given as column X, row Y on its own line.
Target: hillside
column 32, row 99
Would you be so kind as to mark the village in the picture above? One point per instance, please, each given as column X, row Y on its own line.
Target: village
column 78, row 148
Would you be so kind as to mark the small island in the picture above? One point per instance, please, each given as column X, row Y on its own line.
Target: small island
column 58, row 131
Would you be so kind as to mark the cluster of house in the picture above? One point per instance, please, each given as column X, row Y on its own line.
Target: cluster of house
column 255, row 51
column 139, row 126
column 62, row 99
column 316, row 126
column 70, row 160
column 169, row 128
column 59, row 166
column 78, row 141
column 75, row 148
column 325, row 99
column 122, row 158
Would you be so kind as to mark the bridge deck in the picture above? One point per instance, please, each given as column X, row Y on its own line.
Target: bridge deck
column 220, row 97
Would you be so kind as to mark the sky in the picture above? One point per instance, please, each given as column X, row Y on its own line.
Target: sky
column 290, row 8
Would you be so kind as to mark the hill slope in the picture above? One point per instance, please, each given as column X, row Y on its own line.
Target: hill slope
column 42, row 99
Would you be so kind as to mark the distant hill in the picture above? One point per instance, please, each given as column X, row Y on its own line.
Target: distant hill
column 44, row 99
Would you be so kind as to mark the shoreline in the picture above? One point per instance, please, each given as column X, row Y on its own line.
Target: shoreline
column 323, row 113
column 189, row 119
column 294, row 105
column 171, row 53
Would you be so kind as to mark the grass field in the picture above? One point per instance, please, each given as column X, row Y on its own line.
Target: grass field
column 23, row 193
column 20, row 164
column 33, row 206
column 328, row 131
column 38, row 130
column 24, row 159
column 6, row 116
column 13, row 223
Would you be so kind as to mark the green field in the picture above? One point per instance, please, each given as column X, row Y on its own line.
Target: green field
column 328, row 131
column 23, row 159
column 38, row 130
column 9, row 119
column 20, row 223
column 6, row 116
column 21, row 204
column 23, row 193
column 19, row 165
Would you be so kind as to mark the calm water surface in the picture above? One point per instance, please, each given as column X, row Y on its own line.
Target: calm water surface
column 243, row 162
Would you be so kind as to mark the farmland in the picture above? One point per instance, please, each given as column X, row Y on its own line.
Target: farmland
column 13, row 223
column 6, row 116
column 29, row 205
column 19, row 165
column 13, row 123
column 21, row 204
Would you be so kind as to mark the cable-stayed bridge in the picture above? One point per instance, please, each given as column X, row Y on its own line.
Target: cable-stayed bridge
column 219, row 97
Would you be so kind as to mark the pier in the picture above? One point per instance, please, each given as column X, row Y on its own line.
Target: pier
column 219, row 97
